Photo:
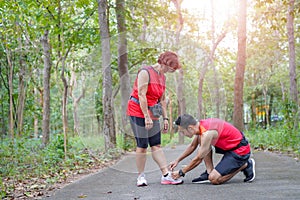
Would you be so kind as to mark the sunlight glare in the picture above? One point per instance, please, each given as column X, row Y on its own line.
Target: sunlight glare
column 223, row 9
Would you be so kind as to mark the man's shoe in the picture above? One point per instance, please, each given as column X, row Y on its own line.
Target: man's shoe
column 203, row 178
column 141, row 180
column 249, row 171
column 168, row 180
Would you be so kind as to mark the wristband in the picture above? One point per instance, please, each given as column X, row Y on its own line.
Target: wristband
column 181, row 173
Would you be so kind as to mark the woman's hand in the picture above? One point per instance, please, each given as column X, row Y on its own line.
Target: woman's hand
column 166, row 126
column 148, row 123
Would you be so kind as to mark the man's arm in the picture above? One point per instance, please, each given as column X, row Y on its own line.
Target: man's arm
column 205, row 148
column 190, row 149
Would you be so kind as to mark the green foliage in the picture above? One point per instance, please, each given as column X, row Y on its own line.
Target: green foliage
column 288, row 110
column 127, row 144
column 168, row 141
column 23, row 159
column 280, row 138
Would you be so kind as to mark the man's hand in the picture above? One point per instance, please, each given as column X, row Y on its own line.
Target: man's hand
column 173, row 164
column 175, row 175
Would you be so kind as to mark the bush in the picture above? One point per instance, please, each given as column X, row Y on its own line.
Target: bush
column 24, row 163
column 275, row 139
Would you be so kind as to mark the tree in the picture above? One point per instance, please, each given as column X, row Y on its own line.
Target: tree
column 22, row 90
column 209, row 60
column 180, row 78
column 76, row 100
column 238, row 119
column 108, row 110
column 10, row 84
column 292, row 60
column 46, row 84
column 123, row 65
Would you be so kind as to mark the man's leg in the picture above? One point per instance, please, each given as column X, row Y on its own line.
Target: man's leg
column 203, row 178
column 209, row 162
column 228, row 167
column 216, row 178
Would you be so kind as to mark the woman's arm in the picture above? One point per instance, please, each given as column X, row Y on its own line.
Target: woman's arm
column 143, row 80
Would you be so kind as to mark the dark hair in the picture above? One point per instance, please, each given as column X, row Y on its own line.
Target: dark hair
column 185, row 120
column 170, row 59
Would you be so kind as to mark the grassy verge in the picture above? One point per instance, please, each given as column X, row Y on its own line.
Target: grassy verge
column 275, row 139
column 29, row 171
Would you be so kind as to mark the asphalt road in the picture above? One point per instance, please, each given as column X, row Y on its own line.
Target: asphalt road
column 277, row 177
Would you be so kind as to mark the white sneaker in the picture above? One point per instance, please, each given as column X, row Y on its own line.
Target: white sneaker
column 170, row 181
column 141, row 180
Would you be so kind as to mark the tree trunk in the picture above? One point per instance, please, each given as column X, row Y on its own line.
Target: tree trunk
column 39, row 102
column 201, row 113
column 108, row 119
column 216, row 80
column 181, row 100
column 207, row 61
column 266, row 106
column 292, row 60
column 253, row 110
column 10, row 86
column 46, row 84
column 170, row 116
column 123, row 68
column 238, row 120
column 180, row 85
column 76, row 100
column 64, row 106
column 21, row 99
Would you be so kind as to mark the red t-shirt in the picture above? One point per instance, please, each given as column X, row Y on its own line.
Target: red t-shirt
column 228, row 136
column 156, row 88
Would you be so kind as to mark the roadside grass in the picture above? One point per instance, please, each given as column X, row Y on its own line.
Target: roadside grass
column 29, row 171
column 275, row 139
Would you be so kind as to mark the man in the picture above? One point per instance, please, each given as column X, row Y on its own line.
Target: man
column 226, row 139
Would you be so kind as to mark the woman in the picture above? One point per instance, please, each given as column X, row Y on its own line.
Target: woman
column 149, row 90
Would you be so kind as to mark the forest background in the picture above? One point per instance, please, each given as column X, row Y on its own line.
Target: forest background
column 67, row 68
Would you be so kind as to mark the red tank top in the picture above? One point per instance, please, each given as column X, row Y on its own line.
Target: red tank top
column 228, row 136
column 156, row 88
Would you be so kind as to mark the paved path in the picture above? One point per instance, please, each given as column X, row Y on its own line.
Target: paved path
column 277, row 177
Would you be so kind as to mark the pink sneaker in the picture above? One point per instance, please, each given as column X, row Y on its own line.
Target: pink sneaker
column 170, row 181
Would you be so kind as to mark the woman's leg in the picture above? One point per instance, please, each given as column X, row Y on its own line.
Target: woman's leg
column 160, row 158
column 140, row 159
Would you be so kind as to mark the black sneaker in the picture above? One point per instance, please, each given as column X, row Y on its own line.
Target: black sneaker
column 203, row 178
column 249, row 171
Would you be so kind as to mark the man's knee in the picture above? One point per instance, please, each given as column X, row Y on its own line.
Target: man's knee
column 214, row 177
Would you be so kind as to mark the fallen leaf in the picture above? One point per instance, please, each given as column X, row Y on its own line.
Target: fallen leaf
column 82, row 196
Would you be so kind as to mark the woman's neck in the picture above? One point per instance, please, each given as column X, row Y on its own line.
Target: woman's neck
column 157, row 67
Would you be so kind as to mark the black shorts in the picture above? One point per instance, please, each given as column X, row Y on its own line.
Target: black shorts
column 144, row 137
column 231, row 162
